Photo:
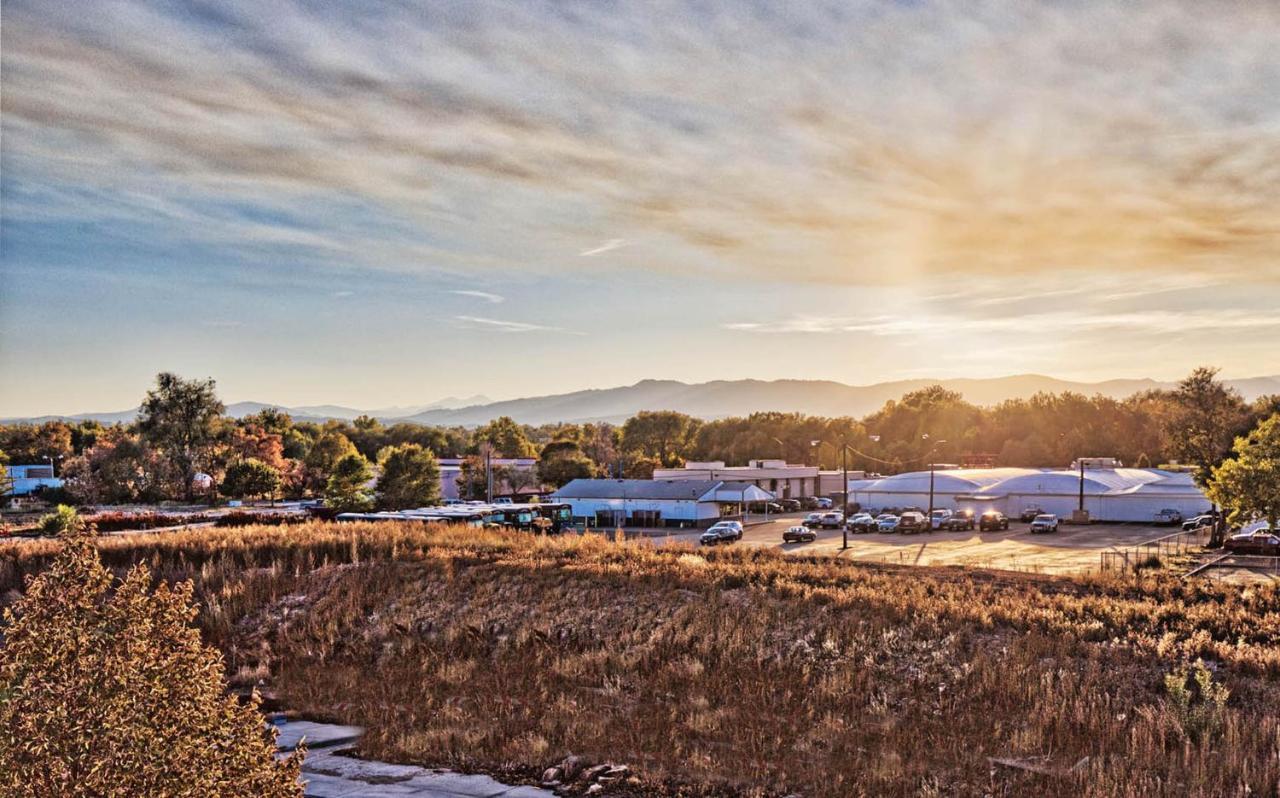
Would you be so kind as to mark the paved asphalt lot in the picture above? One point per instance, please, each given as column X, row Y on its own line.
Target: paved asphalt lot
column 1071, row 549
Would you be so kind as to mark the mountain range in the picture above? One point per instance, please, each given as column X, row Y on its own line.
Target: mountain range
column 707, row 400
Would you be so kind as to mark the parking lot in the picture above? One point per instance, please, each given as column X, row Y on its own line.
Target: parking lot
column 1072, row 549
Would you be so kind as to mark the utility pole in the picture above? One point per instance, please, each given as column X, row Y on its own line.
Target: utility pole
column 844, row 512
column 488, row 475
column 1081, row 507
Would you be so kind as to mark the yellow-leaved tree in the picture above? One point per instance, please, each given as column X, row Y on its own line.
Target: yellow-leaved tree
column 106, row 689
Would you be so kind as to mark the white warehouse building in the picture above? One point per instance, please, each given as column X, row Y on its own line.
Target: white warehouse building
column 1110, row 494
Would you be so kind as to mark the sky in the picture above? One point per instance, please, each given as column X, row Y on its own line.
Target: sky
column 378, row 204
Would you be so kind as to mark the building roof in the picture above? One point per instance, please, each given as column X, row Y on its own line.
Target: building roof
column 663, row 489
column 687, row 489
column 990, row 482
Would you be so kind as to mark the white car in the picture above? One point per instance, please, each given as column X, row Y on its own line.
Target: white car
column 937, row 518
column 1168, row 516
column 1045, row 522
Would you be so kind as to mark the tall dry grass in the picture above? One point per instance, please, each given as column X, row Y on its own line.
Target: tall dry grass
column 736, row 670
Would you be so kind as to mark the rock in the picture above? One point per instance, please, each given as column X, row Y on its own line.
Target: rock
column 571, row 767
column 618, row 771
column 551, row 776
column 591, row 774
column 595, row 789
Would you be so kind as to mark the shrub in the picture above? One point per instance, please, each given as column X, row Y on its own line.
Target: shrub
column 62, row 521
column 1198, row 702
column 119, row 521
column 247, row 518
column 111, row 693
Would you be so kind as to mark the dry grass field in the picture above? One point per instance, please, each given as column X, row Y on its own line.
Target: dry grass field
column 736, row 671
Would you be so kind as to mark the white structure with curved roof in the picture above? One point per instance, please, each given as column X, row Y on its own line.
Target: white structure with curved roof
column 1110, row 494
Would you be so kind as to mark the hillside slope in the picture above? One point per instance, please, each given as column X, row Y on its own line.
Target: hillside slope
column 731, row 672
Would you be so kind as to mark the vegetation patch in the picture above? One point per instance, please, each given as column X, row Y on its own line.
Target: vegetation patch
column 736, row 671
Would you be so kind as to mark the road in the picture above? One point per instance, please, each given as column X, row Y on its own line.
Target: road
column 1072, row 549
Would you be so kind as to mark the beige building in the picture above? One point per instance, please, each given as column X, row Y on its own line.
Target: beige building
column 784, row 480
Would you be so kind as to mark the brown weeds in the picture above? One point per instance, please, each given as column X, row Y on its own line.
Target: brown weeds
column 737, row 670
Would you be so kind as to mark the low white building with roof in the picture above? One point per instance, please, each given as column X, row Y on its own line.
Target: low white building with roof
column 656, row 502
column 1110, row 494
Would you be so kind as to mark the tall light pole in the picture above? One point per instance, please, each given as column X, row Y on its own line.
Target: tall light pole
column 844, row 493
column 932, row 450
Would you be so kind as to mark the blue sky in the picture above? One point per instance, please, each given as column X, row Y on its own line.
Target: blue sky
column 380, row 206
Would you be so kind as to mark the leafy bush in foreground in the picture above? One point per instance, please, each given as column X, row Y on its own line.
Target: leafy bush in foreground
column 111, row 693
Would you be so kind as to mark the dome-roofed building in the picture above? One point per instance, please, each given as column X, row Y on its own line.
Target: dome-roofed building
column 1110, row 494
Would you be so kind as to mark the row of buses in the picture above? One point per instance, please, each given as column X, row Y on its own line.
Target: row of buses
column 548, row 518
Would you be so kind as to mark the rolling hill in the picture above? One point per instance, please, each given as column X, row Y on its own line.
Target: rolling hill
column 707, row 400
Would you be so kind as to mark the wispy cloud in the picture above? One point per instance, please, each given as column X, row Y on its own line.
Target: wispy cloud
column 494, row 299
column 1156, row 322
column 608, row 246
column 342, row 294
column 500, row 325
column 853, row 142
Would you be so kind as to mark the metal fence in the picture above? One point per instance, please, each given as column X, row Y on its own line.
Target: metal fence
column 1131, row 558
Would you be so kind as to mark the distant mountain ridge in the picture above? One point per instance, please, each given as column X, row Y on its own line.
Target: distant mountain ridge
column 708, row 400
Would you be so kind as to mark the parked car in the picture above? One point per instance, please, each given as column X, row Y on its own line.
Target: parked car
column 1168, row 516
column 887, row 523
column 993, row 520
column 723, row 532
column 959, row 521
column 1045, row 522
column 812, row 519
column 1261, row 541
column 938, row 518
column 790, row 505
column 862, row 522
column 830, row 521
column 1030, row 512
column 824, row 503
column 912, row 522
column 1207, row 519
column 799, row 534
column 735, row 525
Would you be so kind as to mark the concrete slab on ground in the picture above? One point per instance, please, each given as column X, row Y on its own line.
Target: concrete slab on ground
column 328, row 773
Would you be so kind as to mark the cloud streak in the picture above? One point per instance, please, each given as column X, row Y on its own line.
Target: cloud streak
column 493, row 299
column 608, row 246
column 854, row 142
column 500, row 325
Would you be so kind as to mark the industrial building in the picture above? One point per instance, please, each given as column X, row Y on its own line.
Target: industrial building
column 656, row 502
column 784, row 480
column 1110, row 493
column 29, row 479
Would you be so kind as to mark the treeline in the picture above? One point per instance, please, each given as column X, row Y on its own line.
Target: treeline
column 183, row 446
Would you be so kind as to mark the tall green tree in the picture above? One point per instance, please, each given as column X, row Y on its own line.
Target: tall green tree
column 1205, row 418
column 1248, row 485
column 410, row 477
column 325, row 454
column 347, row 490
column 664, row 435
column 507, row 438
column 180, row 418
column 250, row 477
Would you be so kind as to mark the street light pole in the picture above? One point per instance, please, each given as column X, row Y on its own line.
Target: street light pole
column 844, row 514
